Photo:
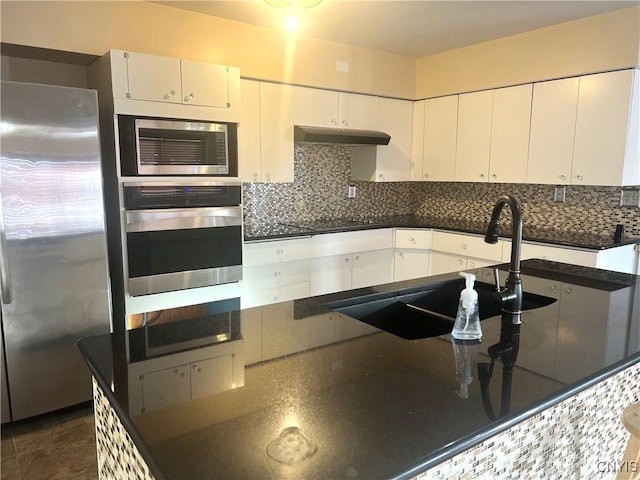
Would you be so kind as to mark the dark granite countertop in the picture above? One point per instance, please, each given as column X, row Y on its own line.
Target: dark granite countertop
column 357, row 401
column 268, row 231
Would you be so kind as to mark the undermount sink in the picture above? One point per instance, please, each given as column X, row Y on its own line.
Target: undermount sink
column 427, row 311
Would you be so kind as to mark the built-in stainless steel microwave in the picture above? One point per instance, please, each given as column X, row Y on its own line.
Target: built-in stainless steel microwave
column 158, row 146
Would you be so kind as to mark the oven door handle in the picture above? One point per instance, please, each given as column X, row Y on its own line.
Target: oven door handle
column 182, row 218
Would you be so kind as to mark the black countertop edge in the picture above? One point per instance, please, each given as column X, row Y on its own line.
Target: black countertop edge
column 445, row 453
column 132, row 431
column 318, row 229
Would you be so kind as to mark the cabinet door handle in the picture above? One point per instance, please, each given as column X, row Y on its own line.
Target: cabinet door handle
column 347, row 260
column 464, row 246
column 276, row 274
column 358, row 257
column 472, row 264
column 412, row 240
column 554, row 287
column 563, row 177
column 196, row 368
column 459, row 261
column 494, row 175
column 579, row 177
column 482, row 175
column 189, row 97
column 334, row 121
column 268, row 177
column 255, row 177
column 426, row 175
column 169, row 94
column 569, row 290
column 345, row 123
column 180, row 373
column 279, row 251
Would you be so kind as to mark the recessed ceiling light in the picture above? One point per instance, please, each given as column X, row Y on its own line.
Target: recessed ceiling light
column 292, row 23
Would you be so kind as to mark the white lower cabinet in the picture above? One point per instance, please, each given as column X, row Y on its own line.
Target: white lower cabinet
column 342, row 261
column 412, row 253
column 447, row 263
column 330, row 274
column 276, row 271
column 458, row 251
column 408, row 264
column 357, row 270
column 619, row 259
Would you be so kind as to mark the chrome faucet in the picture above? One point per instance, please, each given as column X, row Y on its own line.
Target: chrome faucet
column 511, row 294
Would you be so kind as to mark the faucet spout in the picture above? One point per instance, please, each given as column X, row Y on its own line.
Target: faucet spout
column 511, row 295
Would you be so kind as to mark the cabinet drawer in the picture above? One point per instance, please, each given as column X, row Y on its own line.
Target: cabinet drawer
column 351, row 242
column 261, row 253
column 274, row 274
column 413, row 238
column 467, row 245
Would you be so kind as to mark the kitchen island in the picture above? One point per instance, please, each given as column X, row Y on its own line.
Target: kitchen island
column 299, row 390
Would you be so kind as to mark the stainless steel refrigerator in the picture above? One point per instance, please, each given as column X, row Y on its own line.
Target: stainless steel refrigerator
column 55, row 283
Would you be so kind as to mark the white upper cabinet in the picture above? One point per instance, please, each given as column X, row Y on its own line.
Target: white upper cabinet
column 417, row 140
column 510, row 123
column 265, row 132
column 553, row 123
column 276, row 132
column 154, row 85
column 474, row 136
column 326, row 108
column 607, row 129
column 315, row 107
column 357, row 111
column 249, row 159
column 153, row 78
column 439, row 139
column 202, row 84
column 387, row 163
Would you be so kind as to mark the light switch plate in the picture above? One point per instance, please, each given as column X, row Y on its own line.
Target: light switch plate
column 351, row 193
column 630, row 197
column 560, row 194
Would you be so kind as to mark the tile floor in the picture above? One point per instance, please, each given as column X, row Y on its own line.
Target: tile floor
column 55, row 447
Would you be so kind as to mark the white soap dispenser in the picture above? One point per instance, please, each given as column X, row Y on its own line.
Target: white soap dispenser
column 467, row 326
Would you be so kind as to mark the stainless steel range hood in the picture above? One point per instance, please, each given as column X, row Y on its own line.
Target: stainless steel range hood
column 341, row 136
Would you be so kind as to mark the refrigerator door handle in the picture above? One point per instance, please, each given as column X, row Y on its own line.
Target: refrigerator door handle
column 4, row 268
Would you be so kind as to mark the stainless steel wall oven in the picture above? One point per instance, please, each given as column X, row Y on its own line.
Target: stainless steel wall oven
column 182, row 236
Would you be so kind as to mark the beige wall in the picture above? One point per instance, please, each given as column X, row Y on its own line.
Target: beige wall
column 594, row 44
column 598, row 43
column 41, row 71
column 95, row 27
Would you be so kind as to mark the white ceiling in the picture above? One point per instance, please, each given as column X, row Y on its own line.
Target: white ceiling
column 412, row 28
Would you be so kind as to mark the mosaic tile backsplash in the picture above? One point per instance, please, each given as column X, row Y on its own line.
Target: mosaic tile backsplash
column 322, row 177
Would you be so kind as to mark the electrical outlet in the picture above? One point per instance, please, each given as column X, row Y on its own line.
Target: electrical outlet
column 630, row 197
column 560, row 194
column 351, row 192
column 342, row 67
